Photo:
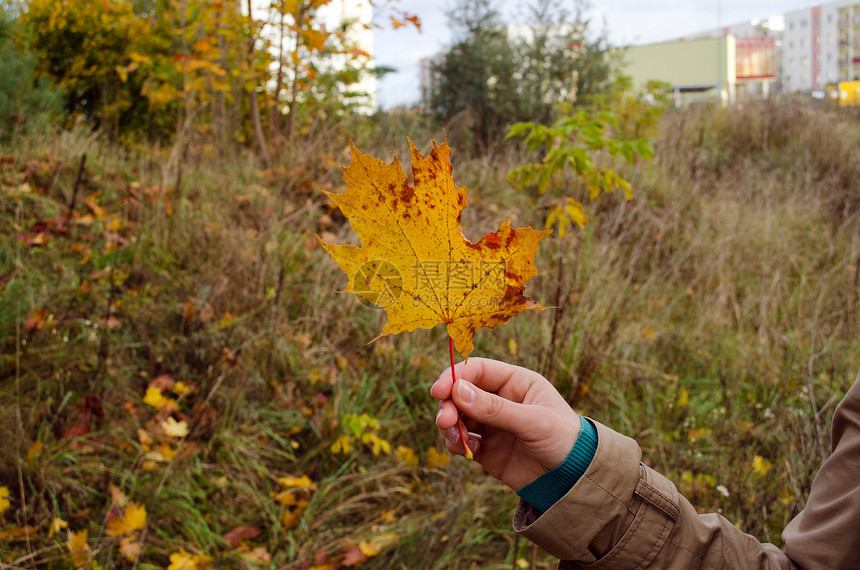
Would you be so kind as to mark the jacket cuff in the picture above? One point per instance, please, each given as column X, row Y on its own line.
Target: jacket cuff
column 615, row 511
column 546, row 490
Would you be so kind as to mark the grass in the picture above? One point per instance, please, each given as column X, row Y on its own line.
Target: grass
column 713, row 318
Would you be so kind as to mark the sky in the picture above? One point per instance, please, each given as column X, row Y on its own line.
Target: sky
column 627, row 22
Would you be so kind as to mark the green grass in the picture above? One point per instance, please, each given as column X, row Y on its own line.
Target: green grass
column 710, row 318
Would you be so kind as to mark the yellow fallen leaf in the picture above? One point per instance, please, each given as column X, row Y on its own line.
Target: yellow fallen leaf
column 130, row 549
column 153, row 397
column 291, row 518
column 117, row 496
column 258, row 555
column 145, row 439
column 182, row 561
column 303, row 481
column 341, row 445
column 56, row 526
column 437, row 458
column 79, row 551
column 173, row 428
column 133, row 518
column 385, row 539
column 188, row 561
column 34, row 452
column 406, row 456
column 368, row 549
column 4, row 499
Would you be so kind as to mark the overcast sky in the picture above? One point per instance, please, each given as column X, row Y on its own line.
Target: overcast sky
column 627, row 21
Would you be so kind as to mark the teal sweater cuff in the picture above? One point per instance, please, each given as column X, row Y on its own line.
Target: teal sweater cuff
column 543, row 492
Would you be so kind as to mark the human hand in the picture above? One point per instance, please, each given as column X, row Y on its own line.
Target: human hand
column 522, row 426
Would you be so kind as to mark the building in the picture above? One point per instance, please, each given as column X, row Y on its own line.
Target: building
column 733, row 67
column 819, row 45
column 801, row 51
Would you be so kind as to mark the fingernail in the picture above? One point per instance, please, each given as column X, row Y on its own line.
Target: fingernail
column 474, row 442
column 466, row 392
column 439, row 411
column 452, row 434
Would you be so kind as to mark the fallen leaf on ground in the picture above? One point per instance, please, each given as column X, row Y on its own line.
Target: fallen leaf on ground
column 33, row 453
column 240, row 533
column 79, row 551
column 437, row 458
column 187, row 561
column 117, row 496
column 5, row 503
column 352, row 556
column 57, row 525
column 130, row 549
column 131, row 519
column 258, row 555
column 173, row 428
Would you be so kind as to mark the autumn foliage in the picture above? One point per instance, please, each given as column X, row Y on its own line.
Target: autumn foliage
column 184, row 385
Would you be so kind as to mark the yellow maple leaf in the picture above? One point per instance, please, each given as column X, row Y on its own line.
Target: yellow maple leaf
column 153, row 397
column 406, row 456
column 437, row 458
column 133, row 518
column 341, row 445
column 368, row 548
column 5, row 503
column 303, row 481
column 414, row 261
column 292, row 517
column 56, row 526
column 187, row 561
column 173, row 428
column 79, row 550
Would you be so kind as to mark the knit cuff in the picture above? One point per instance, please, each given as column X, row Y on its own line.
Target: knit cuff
column 543, row 492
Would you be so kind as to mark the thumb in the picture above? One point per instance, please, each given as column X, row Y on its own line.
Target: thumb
column 489, row 409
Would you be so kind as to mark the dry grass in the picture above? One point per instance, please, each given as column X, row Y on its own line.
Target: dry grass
column 714, row 318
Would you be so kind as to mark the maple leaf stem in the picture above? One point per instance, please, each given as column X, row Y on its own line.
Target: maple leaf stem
column 464, row 433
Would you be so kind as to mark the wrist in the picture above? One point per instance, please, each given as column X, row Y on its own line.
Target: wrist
column 544, row 491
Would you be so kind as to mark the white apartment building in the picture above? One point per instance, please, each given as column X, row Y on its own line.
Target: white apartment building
column 821, row 45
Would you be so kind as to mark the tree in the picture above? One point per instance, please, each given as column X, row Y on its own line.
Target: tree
column 474, row 79
column 83, row 46
column 558, row 60
column 24, row 98
column 496, row 75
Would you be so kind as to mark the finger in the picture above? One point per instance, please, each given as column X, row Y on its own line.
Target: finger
column 441, row 389
column 493, row 410
column 447, row 415
column 452, row 442
column 513, row 382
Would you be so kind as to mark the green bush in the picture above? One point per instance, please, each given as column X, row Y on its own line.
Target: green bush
column 25, row 101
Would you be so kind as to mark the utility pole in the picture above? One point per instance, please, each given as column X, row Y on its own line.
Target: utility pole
column 719, row 53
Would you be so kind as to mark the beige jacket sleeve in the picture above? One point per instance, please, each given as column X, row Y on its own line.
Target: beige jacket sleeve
column 622, row 514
